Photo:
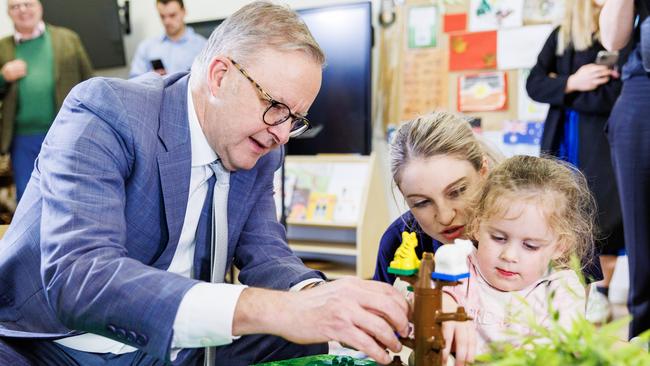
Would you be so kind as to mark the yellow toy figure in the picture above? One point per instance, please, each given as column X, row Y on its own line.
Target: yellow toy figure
column 406, row 261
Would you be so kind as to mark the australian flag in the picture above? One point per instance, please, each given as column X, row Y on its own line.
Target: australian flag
column 522, row 132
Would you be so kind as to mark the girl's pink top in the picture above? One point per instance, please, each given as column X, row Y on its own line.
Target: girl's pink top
column 504, row 316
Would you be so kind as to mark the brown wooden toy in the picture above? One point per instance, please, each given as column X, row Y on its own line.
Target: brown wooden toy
column 428, row 316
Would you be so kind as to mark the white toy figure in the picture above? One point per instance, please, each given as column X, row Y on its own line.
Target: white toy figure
column 451, row 261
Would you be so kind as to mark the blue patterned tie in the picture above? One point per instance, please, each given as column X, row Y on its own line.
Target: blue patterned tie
column 219, row 242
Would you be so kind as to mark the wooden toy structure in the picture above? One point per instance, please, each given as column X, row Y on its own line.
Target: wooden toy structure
column 428, row 316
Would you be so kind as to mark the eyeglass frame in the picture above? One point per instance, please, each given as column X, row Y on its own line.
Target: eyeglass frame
column 272, row 103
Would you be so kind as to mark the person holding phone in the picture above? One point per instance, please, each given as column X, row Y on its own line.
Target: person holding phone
column 581, row 89
column 172, row 52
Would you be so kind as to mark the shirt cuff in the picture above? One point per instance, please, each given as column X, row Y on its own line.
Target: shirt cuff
column 205, row 315
column 300, row 285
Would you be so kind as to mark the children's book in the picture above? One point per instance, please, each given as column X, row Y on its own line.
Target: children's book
column 299, row 201
column 321, row 206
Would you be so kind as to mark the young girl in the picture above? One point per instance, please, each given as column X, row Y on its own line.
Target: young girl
column 533, row 215
column 436, row 162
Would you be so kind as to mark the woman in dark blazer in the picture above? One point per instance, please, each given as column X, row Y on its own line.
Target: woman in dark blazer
column 581, row 95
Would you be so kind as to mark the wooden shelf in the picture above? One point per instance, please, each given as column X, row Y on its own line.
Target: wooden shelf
column 326, row 224
column 334, row 270
column 324, row 247
column 335, row 274
column 342, row 248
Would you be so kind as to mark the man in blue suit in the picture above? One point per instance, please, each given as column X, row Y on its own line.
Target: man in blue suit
column 109, row 259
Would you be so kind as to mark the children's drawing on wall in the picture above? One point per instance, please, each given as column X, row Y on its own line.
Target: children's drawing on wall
column 455, row 22
column 542, row 11
column 517, row 137
column 495, row 14
column 473, row 50
column 422, row 26
column 518, row 48
column 482, row 92
column 529, row 110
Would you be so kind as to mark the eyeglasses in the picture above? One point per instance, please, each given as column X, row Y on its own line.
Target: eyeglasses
column 26, row 5
column 277, row 112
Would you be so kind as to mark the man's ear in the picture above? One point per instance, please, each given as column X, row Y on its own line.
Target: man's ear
column 216, row 72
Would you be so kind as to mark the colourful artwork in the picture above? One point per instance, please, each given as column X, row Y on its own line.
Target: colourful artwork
column 518, row 48
column 529, row 110
column 482, row 92
column 471, row 51
column 454, row 22
column 422, row 26
column 321, row 206
column 542, row 11
column 299, row 200
column 517, row 137
column 495, row 14
column 423, row 81
column 522, row 132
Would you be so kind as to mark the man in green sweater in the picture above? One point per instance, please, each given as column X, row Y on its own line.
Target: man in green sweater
column 39, row 64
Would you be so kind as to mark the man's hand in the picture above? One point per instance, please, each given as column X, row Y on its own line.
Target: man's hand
column 14, row 70
column 460, row 335
column 589, row 77
column 362, row 314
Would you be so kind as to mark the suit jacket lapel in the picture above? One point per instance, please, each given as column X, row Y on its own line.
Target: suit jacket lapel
column 175, row 163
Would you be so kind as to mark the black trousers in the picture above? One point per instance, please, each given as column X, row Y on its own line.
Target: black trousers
column 629, row 138
column 243, row 352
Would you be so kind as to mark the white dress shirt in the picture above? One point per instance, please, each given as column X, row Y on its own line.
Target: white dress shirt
column 205, row 314
column 38, row 30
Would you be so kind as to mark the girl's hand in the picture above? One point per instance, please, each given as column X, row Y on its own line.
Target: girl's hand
column 461, row 337
column 588, row 77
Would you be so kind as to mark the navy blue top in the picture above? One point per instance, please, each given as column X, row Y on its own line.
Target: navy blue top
column 392, row 239
column 634, row 65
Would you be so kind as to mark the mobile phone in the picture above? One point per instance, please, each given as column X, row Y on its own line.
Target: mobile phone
column 157, row 64
column 607, row 58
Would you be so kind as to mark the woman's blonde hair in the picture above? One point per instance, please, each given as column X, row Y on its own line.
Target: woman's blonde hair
column 438, row 133
column 257, row 26
column 579, row 26
column 555, row 185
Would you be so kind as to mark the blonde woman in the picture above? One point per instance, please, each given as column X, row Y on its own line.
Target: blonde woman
column 582, row 94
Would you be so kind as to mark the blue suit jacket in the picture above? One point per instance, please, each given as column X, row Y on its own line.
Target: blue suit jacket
column 101, row 218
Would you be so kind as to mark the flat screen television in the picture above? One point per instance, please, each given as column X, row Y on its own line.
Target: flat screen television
column 342, row 111
column 98, row 27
